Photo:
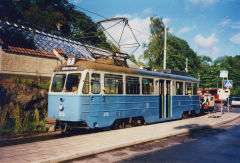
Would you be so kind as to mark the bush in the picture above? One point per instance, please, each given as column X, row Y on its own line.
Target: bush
column 44, row 85
column 31, row 82
column 19, row 115
column 25, row 81
column 17, row 121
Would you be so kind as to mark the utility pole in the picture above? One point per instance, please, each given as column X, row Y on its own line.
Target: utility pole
column 186, row 65
column 165, row 46
column 228, row 98
column 221, row 100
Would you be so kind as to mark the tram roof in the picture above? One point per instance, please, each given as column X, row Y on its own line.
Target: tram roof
column 165, row 75
column 108, row 66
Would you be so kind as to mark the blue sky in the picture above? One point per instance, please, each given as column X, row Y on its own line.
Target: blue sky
column 211, row 27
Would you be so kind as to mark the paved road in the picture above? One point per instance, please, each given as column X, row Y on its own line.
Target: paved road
column 219, row 144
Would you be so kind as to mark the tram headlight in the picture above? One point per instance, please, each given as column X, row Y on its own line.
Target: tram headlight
column 60, row 107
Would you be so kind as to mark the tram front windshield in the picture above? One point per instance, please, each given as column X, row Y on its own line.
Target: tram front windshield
column 72, row 83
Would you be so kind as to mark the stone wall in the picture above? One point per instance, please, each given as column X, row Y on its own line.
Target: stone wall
column 12, row 63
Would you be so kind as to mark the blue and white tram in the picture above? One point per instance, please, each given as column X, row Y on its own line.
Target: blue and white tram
column 101, row 95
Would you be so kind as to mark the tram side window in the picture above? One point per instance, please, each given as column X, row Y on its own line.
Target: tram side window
column 147, row 86
column 179, row 88
column 113, row 84
column 132, row 85
column 195, row 88
column 95, row 84
column 86, row 85
column 72, row 82
column 188, row 87
column 58, row 82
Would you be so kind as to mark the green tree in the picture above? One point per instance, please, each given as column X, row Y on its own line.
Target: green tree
column 154, row 51
column 48, row 14
column 210, row 72
column 16, row 38
column 232, row 65
column 177, row 50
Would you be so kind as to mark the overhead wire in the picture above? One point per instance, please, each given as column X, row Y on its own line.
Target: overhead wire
column 105, row 30
column 91, row 12
column 144, row 33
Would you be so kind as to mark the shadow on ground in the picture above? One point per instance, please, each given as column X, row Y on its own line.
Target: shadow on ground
column 195, row 130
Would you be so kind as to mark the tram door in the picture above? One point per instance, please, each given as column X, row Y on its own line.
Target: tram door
column 161, row 98
column 168, row 98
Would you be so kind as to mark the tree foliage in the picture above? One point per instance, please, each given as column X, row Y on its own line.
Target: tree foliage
column 177, row 50
column 48, row 14
column 154, row 51
column 232, row 65
column 16, row 38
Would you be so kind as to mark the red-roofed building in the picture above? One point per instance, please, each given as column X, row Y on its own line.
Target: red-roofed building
column 30, row 52
column 22, row 61
column 60, row 51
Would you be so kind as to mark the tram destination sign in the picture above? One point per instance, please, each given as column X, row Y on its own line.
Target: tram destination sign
column 69, row 68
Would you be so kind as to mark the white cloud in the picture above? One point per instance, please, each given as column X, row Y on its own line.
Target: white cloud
column 235, row 25
column 207, row 45
column 229, row 23
column 147, row 11
column 141, row 25
column 140, row 28
column 225, row 22
column 142, row 32
column 236, row 38
column 203, row 2
column 207, row 42
column 166, row 20
column 186, row 29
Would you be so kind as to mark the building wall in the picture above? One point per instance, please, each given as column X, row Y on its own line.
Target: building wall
column 27, row 65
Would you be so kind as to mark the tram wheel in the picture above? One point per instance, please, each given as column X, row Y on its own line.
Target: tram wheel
column 193, row 114
column 65, row 129
column 184, row 115
column 115, row 125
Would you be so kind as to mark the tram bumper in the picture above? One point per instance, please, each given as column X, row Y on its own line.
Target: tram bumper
column 50, row 124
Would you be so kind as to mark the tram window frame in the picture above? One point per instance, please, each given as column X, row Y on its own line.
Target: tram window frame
column 132, row 85
column 188, row 88
column 64, row 76
column 195, row 88
column 147, row 88
column 85, row 89
column 113, row 84
column 179, row 88
column 72, row 88
column 95, row 83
